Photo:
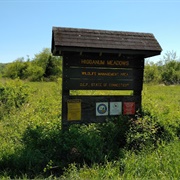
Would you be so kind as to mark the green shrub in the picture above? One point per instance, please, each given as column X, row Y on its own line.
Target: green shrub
column 146, row 132
column 13, row 95
column 113, row 133
column 34, row 73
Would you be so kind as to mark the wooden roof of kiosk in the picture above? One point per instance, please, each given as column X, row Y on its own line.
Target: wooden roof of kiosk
column 102, row 41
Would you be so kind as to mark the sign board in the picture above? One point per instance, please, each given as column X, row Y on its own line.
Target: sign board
column 100, row 73
column 101, row 60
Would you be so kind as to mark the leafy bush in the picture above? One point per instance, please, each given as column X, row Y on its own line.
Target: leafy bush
column 13, row 95
column 16, row 69
column 151, row 73
column 146, row 132
column 114, row 133
column 34, row 73
column 171, row 73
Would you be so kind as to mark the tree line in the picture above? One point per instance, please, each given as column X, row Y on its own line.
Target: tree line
column 166, row 71
column 44, row 66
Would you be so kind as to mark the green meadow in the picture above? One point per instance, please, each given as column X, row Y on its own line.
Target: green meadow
column 33, row 145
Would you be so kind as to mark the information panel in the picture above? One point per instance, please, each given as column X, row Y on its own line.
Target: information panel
column 100, row 73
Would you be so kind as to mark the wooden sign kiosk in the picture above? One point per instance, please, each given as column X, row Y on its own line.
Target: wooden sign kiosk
column 101, row 60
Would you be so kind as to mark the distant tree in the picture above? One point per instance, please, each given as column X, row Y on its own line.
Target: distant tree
column 2, row 66
column 151, row 73
column 15, row 69
column 34, row 72
column 53, row 67
column 167, row 70
column 171, row 72
column 43, row 65
column 41, row 59
column 169, row 56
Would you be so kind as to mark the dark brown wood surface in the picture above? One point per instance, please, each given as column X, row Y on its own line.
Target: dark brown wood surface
column 68, row 39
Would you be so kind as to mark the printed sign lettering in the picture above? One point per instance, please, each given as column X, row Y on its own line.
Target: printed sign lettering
column 98, row 85
column 100, row 73
column 90, row 84
column 92, row 62
column 111, row 62
column 117, row 63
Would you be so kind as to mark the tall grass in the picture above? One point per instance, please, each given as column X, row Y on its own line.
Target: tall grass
column 162, row 103
column 162, row 163
column 33, row 145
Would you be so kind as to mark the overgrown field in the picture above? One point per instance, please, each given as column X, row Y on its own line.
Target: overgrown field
column 34, row 146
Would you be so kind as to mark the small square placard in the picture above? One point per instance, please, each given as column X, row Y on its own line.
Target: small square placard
column 101, row 108
column 129, row 108
column 115, row 108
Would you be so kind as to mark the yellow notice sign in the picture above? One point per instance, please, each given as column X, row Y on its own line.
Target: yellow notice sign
column 74, row 109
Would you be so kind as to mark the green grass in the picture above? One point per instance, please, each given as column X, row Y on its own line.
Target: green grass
column 33, row 145
column 162, row 163
column 163, row 103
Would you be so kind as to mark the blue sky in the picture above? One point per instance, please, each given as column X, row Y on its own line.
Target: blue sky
column 26, row 25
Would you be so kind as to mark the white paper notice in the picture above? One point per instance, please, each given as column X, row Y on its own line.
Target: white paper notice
column 115, row 108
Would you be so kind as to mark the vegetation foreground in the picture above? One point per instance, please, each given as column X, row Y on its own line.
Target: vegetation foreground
column 34, row 146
